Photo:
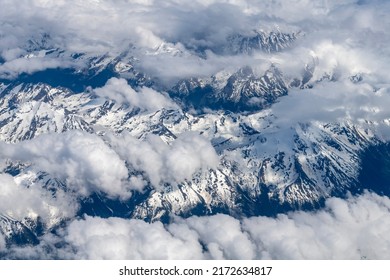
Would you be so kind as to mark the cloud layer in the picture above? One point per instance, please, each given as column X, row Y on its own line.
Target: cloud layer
column 350, row 34
column 346, row 229
column 355, row 228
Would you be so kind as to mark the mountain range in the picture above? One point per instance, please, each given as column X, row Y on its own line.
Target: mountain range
column 264, row 166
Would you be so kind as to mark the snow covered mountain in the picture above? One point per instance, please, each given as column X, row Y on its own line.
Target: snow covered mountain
column 274, row 41
column 238, row 91
column 261, row 170
column 21, row 233
column 100, row 135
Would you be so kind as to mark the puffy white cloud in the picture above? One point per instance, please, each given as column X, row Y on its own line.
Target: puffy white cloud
column 223, row 237
column 86, row 164
column 354, row 228
column 346, row 229
column 13, row 68
column 146, row 98
column 82, row 160
column 115, row 238
column 11, row 54
column 216, row 237
column 19, row 201
column 167, row 163
column 330, row 102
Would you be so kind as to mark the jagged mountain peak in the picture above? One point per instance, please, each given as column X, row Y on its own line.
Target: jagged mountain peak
column 242, row 90
column 259, row 40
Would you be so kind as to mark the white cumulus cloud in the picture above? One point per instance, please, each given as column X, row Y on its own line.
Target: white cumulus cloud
column 19, row 201
column 146, row 98
column 167, row 163
column 346, row 229
column 355, row 228
column 82, row 160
